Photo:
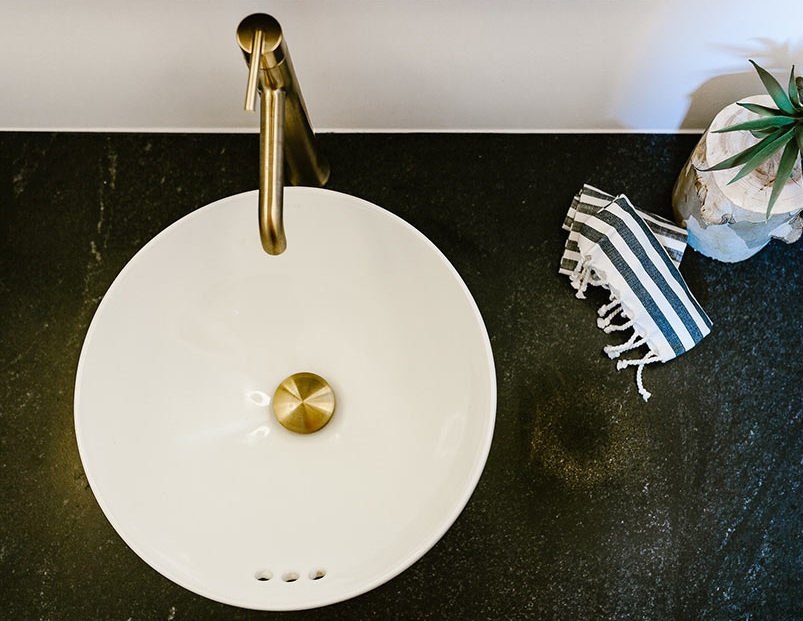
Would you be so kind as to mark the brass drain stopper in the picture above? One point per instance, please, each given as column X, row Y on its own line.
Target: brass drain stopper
column 304, row 402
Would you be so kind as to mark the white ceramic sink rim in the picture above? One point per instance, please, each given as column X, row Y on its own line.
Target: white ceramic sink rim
column 90, row 417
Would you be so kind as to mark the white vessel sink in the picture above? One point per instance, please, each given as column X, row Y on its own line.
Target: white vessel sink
column 176, row 430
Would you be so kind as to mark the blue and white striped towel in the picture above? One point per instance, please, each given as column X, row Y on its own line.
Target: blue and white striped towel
column 589, row 200
column 616, row 249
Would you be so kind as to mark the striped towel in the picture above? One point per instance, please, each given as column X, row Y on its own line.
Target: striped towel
column 589, row 200
column 615, row 247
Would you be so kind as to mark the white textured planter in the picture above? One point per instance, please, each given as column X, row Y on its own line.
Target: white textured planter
column 728, row 222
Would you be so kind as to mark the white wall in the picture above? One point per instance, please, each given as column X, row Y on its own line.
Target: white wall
column 499, row 65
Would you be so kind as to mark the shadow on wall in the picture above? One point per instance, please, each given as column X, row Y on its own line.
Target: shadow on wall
column 717, row 92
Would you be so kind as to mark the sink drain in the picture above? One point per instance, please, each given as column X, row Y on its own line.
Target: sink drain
column 304, row 402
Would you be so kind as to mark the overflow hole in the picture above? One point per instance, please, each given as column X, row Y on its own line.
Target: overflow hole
column 290, row 576
column 317, row 574
column 263, row 575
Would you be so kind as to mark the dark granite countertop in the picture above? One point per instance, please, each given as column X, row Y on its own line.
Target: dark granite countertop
column 593, row 504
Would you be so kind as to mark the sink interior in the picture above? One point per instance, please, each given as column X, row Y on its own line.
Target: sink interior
column 176, row 430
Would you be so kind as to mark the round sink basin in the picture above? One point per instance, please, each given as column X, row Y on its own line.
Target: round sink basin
column 176, row 428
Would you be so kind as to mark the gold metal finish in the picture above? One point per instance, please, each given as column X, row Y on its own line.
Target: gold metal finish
column 253, row 72
column 285, row 130
column 304, row 402
column 271, row 172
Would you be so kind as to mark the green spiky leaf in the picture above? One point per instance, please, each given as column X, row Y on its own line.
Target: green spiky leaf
column 764, row 123
column 785, row 167
column 774, row 89
column 794, row 96
column 742, row 157
column 799, row 136
column 799, row 82
column 763, row 133
column 763, row 154
column 762, row 110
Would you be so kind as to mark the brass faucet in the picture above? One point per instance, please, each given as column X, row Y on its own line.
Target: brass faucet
column 284, row 127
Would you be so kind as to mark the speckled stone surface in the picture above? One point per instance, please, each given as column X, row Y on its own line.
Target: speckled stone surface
column 593, row 504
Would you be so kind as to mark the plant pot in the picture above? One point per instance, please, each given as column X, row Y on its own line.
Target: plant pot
column 727, row 221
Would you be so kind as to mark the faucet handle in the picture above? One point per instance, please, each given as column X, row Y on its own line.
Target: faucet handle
column 253, row 70
column 260, row 38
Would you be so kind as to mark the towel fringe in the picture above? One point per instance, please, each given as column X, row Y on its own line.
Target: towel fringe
column 640, row 363
column 618, row 327
column 647, row 359
column 634, row 342
column 607, row 313
column 603, row 322
column 585, row 275
column 645, row 394
column 605, row 308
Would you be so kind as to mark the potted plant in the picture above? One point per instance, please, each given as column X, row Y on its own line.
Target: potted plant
column 730, row 216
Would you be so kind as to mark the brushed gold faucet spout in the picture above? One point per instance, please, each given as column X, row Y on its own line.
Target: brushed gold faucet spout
column 271, row 172
column 285, row 134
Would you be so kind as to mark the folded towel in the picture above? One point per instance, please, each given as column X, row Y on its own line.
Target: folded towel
column 614, row 246
column 589, row 200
